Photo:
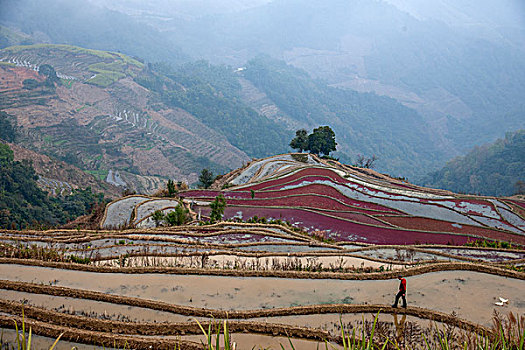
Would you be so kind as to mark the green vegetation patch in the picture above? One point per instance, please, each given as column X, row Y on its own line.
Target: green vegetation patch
column 68, row 83
column 107, row 73
column 59, row 142
column 81, row 108
column 496, row 169
column 77, row 50
column 115, row 66
column 23, row 204
column 99, row 174
column 105, row 78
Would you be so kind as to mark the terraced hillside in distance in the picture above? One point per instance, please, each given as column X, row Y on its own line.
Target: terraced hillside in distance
column 101, row 121
column 323, row 253
column 59, row 178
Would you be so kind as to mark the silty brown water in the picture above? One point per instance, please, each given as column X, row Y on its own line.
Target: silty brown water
column 470, row 294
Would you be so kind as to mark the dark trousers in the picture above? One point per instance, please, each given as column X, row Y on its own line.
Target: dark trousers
column 401, row 294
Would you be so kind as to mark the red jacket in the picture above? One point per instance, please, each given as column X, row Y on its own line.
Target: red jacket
column 403, row 285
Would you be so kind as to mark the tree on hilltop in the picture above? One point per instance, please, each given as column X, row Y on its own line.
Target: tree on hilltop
column 321, row 140
column 300, row 141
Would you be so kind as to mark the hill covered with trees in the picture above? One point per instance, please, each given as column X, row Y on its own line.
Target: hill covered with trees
column 365, row 123
column 496, row 169
column 23, row 204
column 213, row 95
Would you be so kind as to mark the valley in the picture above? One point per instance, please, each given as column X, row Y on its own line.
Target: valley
column 262, row 174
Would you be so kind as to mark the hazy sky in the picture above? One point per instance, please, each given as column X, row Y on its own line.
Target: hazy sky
column 467, row 12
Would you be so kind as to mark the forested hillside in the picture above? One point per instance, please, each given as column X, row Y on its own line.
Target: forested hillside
column 493, row 169
column 212, row 94
column 364, row 123
column 23, row 204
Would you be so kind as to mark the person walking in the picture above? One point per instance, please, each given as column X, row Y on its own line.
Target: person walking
column 402, row 291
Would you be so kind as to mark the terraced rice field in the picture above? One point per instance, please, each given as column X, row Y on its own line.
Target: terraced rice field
column 335, row 263
column 147, row 287
column 344, row 203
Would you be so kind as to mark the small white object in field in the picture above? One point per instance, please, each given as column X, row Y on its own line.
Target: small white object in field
column 503, row 300
column 499, row 303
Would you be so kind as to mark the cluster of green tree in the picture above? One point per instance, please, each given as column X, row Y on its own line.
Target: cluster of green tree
column 496, row 169
column 206, row 178
column 366, row 123
column 212, row 94
column 180, row 215
column 321, row 140
column 7, row 127
column 23, row 204
column 176, row 217
column 51, row 78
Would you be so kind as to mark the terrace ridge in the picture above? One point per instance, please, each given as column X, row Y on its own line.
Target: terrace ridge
column 414, row 271
column 182, row 328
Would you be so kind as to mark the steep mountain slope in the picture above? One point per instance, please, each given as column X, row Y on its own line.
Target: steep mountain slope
column 448, row 72
column 103, row 122
column 364, row 123
column 492, row 169
column 59, row 178
column 213, row 95
column 24, row 204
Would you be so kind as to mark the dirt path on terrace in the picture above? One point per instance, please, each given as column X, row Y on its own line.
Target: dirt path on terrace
column 470, row 294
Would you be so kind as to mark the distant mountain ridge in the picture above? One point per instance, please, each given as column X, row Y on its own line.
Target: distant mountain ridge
column 492, row 169
column 466, row 80
column 459, row 64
